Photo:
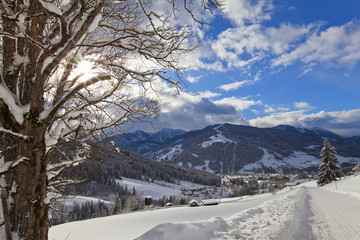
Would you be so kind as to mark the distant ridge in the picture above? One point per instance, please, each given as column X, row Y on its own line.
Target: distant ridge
column 228, row 148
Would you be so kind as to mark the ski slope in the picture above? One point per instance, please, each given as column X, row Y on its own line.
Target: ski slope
column 302, row 212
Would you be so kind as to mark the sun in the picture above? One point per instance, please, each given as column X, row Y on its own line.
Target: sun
column 85, row 67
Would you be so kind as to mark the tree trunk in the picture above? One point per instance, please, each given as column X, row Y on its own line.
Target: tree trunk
column 24, row 209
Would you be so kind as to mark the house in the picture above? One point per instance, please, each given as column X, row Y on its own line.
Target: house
column 148, row 200
column 194, row 203
column 208, row 202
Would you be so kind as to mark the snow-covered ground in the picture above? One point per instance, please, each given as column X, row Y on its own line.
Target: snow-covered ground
column 157, row 189
column 302, row 212
column 218, row 137
column 70, row 200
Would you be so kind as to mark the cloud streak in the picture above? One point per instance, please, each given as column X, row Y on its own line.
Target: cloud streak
column 236, row 85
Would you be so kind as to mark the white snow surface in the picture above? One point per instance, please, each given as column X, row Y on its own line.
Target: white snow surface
column 205, row 167
column 171, row 153
column 157, row 190
column 69, row 201
column 303, row 212
column 218, row 137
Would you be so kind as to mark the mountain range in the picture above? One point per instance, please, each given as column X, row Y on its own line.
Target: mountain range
column 228, row 148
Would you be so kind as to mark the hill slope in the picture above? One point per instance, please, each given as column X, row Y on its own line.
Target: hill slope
column 105, row 165
column 227, row 148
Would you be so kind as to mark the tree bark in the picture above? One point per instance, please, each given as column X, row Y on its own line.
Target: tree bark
column 24, row 209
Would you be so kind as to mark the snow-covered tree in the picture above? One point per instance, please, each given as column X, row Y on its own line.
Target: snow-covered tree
column 70, row 69
column 134, row 202
column 329, row 170
column 117, row 204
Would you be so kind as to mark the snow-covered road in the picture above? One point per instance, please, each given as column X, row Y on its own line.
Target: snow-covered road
column 305, row 212
column 336, row 216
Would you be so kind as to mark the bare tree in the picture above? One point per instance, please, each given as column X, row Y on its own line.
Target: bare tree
column 72, row 68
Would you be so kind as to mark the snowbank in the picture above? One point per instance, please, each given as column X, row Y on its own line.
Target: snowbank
column 258, row 222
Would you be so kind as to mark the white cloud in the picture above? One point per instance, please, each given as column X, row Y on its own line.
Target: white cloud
column 242, row 11
column 235, row 85
column 288, row 118
column 304, row 72
column 287, row 35
column 202, row 57
column 207, row 94
column 234, row 42
column 337, row 46
column 193, row 79
column 345, row 123
column 269, row 109
column 239, row 104
column 256, row 112
column 302, row 105
column 239, row 84
column 243, row 45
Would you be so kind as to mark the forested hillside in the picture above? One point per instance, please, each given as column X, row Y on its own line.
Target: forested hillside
column 105, row 164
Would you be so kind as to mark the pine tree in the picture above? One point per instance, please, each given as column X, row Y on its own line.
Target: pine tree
column 329, row 170
column 117, row 203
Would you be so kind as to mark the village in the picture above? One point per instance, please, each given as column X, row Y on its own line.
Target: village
column 247, row 184
column 236, row 186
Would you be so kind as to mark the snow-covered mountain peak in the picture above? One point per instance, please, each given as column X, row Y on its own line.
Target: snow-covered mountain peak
column 218, row 137
column 139, row 136
column 166, row 134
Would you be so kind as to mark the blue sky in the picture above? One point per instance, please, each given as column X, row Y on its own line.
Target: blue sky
column 265, row 63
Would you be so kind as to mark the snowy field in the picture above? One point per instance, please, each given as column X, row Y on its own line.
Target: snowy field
column 158, row 189
column 302, row 212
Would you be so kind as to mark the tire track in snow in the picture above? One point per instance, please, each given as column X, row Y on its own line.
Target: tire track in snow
column 336, row 216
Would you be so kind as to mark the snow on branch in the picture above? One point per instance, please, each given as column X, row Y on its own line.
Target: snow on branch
column 16, row 109
column 6, row 166
column 56, row 169
column 13, row 133
column 95, row 23
column 51, row 7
